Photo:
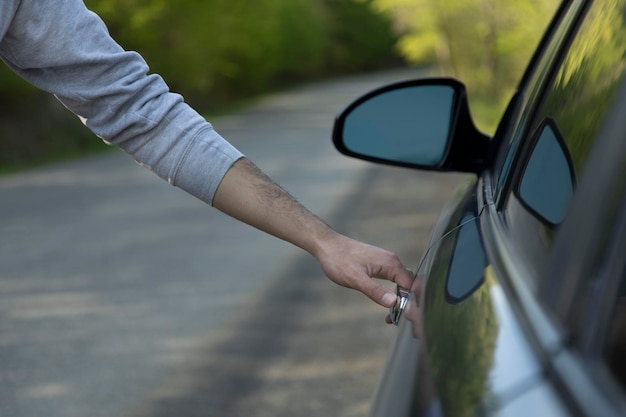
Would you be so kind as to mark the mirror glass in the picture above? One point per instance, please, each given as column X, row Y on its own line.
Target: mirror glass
column 408, row 125
column 547, row 185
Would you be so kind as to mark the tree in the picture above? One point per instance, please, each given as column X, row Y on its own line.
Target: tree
column 484, row 43
column 214, row 52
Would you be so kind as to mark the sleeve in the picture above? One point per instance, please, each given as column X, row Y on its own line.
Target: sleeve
column 63, row 48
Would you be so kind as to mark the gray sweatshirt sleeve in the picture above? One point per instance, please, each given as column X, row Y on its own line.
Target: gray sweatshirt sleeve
column 63, row 48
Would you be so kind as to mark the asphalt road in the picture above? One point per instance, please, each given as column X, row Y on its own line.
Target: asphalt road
column 121, row 296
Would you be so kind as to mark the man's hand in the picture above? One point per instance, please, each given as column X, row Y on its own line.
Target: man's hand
column 353, row 264
column 247, row 194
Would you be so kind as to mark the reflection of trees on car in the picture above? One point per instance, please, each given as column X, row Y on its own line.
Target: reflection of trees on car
column 461, row 337
column 587, row 78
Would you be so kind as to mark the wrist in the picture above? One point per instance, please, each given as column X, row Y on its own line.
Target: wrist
column 324, row 242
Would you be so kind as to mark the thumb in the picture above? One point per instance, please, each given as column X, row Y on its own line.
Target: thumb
column 389, row 299
column 378, row 293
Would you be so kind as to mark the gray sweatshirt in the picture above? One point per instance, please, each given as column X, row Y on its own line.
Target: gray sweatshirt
column 63, row 48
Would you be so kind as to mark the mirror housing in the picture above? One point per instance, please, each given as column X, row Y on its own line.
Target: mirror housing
column 422, row 123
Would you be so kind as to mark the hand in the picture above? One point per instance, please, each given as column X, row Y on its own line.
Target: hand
column 247, row 194
column 353, row 264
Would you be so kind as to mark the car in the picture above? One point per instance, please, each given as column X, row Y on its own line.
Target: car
column 519, row 303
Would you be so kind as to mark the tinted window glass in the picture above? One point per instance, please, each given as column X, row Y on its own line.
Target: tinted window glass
column 531, row 91
column 577, row 103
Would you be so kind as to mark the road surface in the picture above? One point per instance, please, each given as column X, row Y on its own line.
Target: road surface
column 121, row 296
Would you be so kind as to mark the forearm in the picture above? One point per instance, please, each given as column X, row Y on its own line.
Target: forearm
column 249, row 195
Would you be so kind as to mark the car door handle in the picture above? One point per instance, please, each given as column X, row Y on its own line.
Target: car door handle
column 395, row 312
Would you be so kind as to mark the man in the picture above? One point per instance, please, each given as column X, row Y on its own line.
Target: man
column 63, row 48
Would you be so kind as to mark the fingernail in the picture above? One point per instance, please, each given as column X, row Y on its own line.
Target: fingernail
column 389, row 299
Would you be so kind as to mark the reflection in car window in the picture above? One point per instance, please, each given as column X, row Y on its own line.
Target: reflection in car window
column 578, row 102
column 532, row 89
column 587, row 81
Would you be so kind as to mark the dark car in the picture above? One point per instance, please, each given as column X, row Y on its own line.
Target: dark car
column 519, row 303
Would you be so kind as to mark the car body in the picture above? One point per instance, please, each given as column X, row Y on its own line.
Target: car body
column 519, row 303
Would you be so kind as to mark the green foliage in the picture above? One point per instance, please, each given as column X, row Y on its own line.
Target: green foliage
column 588, row 77
column 461, row 337
column 359, row 39
column 13, row 90
column 35, row 129
column 214, row 52
column 485, row 43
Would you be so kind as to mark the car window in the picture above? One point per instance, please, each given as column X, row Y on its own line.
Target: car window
column 532, row 85
column 577, row 102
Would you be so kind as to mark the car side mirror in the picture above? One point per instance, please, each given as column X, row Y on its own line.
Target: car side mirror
column 422, row 123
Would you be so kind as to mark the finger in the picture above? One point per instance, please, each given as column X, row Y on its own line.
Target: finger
column 396, row 272
column 404, row 277
column 378, row 293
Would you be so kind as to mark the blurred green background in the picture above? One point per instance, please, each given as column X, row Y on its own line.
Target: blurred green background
column 223, row 53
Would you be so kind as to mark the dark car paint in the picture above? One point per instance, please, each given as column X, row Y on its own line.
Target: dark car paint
column 470, row 361
column 488, row 346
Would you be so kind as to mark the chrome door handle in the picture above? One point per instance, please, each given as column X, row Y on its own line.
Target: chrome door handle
column 395, row 312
